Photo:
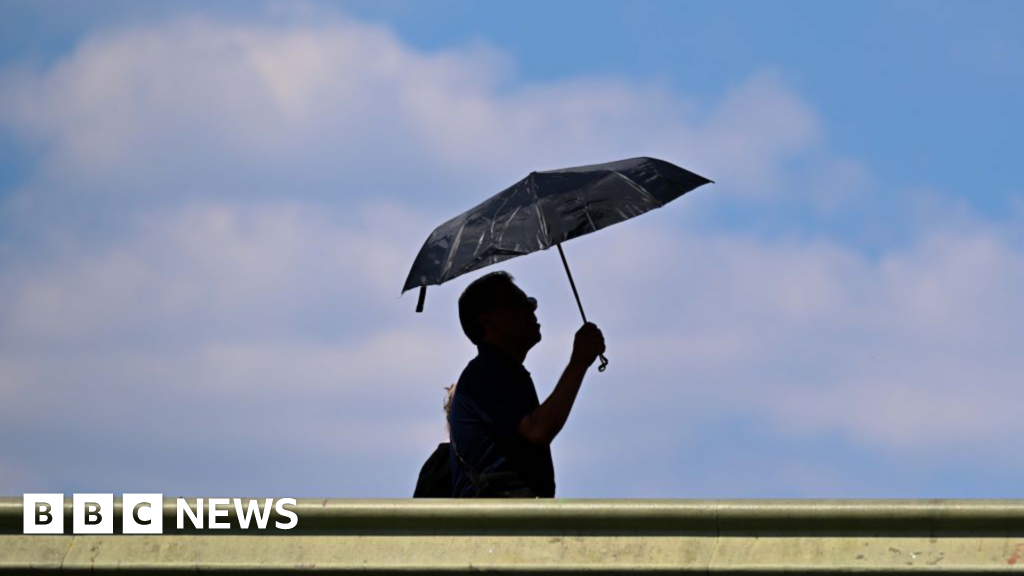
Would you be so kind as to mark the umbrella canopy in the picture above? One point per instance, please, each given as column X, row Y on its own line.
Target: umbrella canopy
column 543, row 210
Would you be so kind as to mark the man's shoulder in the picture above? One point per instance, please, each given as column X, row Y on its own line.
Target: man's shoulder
column 474, row 378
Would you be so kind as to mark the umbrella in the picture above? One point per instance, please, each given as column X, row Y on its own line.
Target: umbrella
column 543, row 210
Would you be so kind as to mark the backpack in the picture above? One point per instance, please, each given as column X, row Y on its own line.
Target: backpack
column 435, row 479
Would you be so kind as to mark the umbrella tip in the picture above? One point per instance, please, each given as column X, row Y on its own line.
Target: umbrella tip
column 423, row 296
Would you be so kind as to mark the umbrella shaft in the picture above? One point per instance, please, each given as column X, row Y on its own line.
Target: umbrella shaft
column 571, row 283
column 604, row 361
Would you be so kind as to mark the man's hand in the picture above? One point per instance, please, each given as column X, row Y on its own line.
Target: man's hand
column 589, row 344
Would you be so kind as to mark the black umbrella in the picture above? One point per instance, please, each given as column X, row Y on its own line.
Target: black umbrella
column 543, row 210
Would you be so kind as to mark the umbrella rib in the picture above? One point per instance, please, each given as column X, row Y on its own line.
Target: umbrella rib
column 501, row 236
column 586, row 201
column 540, row 215
column 507, row 221
column 586, row 212
column 493, row 220
column 640, row 189
column 451, row 251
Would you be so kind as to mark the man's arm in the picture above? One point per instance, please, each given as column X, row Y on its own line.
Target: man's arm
column 546, row 421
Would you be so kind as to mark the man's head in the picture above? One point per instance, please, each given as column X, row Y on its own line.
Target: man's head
column 494, row 309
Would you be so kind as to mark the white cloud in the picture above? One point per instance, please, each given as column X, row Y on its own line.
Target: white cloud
column 910, row 352
column 211, row 263
column 200, row 106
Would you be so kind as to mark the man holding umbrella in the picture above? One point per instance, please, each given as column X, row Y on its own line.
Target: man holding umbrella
column 500, row 432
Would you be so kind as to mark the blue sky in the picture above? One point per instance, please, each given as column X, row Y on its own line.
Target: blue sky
column 207, row 211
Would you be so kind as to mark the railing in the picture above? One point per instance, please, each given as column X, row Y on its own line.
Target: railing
column 571, row 536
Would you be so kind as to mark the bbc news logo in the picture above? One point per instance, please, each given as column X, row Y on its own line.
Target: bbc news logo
column 143, row 513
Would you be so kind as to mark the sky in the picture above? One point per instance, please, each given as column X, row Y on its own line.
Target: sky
column 208, row 210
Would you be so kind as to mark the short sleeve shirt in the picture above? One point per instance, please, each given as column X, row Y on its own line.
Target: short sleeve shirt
column 493, row 395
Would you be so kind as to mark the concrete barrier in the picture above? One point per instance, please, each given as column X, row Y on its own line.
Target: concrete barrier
column 569, row 536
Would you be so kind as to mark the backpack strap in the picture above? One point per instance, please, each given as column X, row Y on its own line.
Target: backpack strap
column 467, row 469
column 496, row 484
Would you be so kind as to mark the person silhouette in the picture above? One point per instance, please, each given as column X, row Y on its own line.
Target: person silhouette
column 499, row 431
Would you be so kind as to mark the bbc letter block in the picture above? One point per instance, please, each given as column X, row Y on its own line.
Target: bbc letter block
column 43, row 513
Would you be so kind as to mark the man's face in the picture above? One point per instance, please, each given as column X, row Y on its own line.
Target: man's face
column 513, row 318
